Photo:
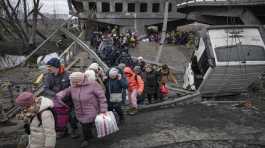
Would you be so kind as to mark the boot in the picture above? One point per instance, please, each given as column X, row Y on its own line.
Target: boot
column 133, row 111
column 84, row 144
column 149, row 101
column 62, row 134
column 21, row 146
column 129, row 110
column 74, row 134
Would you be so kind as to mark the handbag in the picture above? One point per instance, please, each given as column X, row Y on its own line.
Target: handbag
column 164, row 90
column 115, row 97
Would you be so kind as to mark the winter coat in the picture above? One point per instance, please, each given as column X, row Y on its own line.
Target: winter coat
column 134, row 81
column 55, row 83
column 100, row 76
column 89, row 100
column 141, row 64
column 43, row 135
column 126, row 59
column 168, row 77
column 115, row 86
column 151, row 82
column 100, row 81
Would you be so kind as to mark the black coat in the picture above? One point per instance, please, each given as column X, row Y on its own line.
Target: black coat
column 55, row 83
column 151, row 82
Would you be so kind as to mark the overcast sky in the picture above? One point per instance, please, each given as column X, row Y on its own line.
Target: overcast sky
column 60, row 6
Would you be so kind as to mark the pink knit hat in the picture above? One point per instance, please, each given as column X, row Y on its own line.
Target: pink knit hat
column 25, row 99
column 77, row 76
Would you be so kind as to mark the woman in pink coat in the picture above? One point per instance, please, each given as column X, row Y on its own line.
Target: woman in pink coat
column 89, row 100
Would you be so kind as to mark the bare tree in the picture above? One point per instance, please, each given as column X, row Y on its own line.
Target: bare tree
column 20, row 28
column 35, row 12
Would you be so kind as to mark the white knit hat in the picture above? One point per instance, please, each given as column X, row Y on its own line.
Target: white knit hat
column 94, row 66
column 113, row 72
column 140, row 58
column 122, row 66
column 90, row 74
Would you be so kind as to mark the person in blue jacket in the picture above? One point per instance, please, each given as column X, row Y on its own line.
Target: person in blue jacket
column 56, row 80
column 115, row 85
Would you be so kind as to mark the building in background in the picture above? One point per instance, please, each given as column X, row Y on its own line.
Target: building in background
column 131, row 15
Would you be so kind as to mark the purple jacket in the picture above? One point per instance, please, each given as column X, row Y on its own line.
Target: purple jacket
column 89, row 100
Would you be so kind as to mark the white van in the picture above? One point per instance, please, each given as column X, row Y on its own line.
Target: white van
column 227, row 61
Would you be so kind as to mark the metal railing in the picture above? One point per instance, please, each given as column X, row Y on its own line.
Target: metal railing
column 69, row 55
column 217, row 2
column 83, row 46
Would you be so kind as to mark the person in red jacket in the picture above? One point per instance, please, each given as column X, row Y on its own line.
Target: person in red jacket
column 135, row 87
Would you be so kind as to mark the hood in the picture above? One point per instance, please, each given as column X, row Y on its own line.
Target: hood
column 46, row 103
column 128, row 70
column 113, row 72
column 86, row 82
column 90, row 75
column 94, row 66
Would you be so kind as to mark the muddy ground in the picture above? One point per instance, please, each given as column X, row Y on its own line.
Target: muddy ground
column 185, row 126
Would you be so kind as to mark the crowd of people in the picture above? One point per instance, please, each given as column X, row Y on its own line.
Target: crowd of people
column 173, row 37
column 120, row 40
column 78, row 97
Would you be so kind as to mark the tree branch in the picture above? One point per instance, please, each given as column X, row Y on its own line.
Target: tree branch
column 38, row 32
column 14, row 28
column 25, row 15
column 7, row 29
column 7, row 7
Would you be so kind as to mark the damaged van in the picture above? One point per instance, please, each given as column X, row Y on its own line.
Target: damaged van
column 228, row 59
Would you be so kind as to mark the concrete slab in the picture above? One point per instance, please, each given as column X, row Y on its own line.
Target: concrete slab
column 175, row 56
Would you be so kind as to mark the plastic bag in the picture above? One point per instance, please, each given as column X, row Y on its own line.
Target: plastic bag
column 164, row 90
column 106, row 124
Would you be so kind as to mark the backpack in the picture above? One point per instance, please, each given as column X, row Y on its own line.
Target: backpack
column 40, row 113
column 27, row 126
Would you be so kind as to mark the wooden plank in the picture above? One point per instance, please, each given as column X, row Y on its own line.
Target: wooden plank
column 248, row 68
column 72, row 63
column 180, row 90
column 71, row 45
column 169, row 102
column 223, row 102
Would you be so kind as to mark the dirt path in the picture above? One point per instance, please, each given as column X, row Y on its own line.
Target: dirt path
column 182, row 124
